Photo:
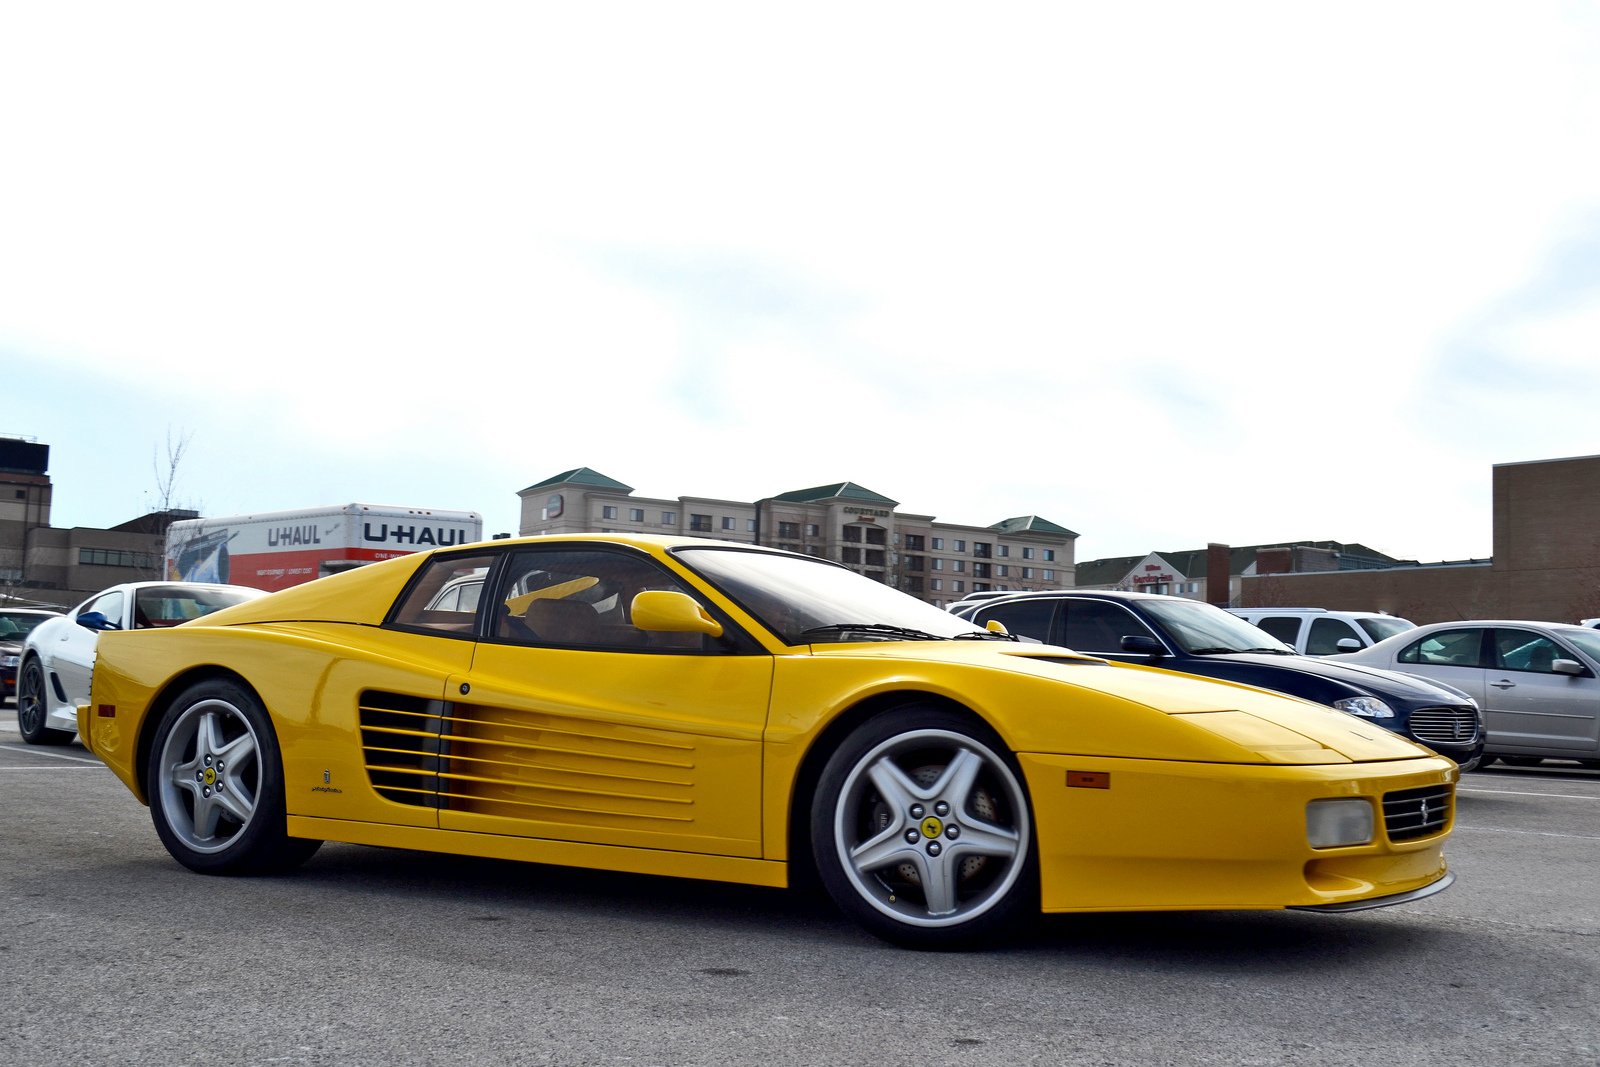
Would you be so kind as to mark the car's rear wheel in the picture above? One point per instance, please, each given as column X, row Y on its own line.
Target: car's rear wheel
column 33, row 707
column 216, row 784
column 1484, row 761
column 921, row 830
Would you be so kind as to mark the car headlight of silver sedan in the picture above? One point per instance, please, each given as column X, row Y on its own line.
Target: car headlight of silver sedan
column 1366, row 707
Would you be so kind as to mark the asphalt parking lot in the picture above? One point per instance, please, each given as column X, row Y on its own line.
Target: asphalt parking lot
column 111, row 952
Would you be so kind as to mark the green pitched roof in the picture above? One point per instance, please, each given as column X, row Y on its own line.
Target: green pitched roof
column 1031, row 524
column 836, row 491
column 582, row 476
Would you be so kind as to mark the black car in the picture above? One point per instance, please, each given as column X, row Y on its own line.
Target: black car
column 1198, row 638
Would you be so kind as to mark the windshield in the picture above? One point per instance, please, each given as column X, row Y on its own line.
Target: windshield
column 1587, row 640
column 16, row 626
column 1379, row 627
column 1196, row 627
column 794, row 596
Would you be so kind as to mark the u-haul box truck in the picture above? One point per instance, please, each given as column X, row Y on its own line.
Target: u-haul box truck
column 275, row 550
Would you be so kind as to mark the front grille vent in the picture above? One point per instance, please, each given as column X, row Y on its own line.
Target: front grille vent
column 1413, row 813
column 1446, row 726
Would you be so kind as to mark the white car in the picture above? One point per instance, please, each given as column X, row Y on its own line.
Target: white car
column 53, row 678
column 1538, row 683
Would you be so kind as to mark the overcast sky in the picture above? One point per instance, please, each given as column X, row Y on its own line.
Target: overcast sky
column 1165, row 274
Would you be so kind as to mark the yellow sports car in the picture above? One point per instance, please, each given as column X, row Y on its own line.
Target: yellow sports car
column 697, row 708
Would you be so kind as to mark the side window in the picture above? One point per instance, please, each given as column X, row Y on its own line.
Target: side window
column 1325, row 635
column 1524, row 650
column 1446, row 648
column 1099, row 627
column 444, row 597
column 109, row 605
column 581, row 598
column 1024, row 618
column 1285, row 628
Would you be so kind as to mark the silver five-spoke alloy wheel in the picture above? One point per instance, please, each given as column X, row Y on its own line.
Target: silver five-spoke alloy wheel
column 210, row 775
column 921, row 830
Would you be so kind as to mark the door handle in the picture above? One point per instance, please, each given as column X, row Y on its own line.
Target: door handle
column 1504, row 683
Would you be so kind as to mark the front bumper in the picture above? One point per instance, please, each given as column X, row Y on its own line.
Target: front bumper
column 1166, row 835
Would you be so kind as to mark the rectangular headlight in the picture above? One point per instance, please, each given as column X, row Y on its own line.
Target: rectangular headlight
column 1339, row 822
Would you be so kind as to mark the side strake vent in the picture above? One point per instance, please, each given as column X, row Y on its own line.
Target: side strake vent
column 1411, row 813
column 401, row 742
column 525, row 765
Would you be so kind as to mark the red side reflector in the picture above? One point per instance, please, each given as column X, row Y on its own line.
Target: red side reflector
column 106, row 711
column 1088, row 779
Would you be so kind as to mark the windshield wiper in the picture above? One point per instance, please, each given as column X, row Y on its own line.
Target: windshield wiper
column 1218, row 651
column 1272, row 651
column 986, row 635
column 872, row 628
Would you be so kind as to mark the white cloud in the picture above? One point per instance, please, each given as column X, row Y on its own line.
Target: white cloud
column 1164, row 275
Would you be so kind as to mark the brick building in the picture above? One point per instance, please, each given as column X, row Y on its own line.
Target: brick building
column 1546, row 562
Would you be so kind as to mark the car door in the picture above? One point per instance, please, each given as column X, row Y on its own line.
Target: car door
column 1454, row 656
column 573, row 725
column 72, row 654
column 1532, row 707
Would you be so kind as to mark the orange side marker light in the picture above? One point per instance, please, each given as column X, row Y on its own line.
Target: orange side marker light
column 1088, row 779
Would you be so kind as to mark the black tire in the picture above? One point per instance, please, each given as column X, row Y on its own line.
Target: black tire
column 215, row 781
column 1484, row 761
column 922, row 831
column 33, row 707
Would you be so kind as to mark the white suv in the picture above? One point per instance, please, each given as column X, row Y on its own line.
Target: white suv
column 1320, row 632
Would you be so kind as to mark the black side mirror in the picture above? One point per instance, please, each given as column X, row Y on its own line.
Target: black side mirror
column 95, row 620
column 1143, row 645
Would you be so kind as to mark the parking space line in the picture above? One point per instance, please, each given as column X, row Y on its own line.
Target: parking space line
column 1531, row 833
column 1519, row 793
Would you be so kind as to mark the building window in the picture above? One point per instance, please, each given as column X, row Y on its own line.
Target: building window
column 916, row 563
column 1048, row 574
column 937, row 584
column 852, row 533
column 669, row 518
column 874, row 557
column 1003, row 551
column 914, row 585
column 813, row 530
column 958, row 587
column 1049, row 555
column 961, row 546
column 1027, row 553
column 636, row 514
column 609, row 511
column 938, row 564
column 749, row 526
column 1027, row 572
column 789, row 530
column 1002, row 570
column 914, row 543
column 115, row 557
column 958, row 565
column 877, row 535
column 850, row 555
column 700, row 523
column 982, row 549
column 728, row 522
column 938, row 544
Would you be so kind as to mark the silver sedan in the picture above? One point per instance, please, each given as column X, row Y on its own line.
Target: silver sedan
column 1538, row 683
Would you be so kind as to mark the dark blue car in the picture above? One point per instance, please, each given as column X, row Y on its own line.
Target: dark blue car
column 1198, row 638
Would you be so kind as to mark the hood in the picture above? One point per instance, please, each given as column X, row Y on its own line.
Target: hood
column 1375, row 679
column 1147, row 712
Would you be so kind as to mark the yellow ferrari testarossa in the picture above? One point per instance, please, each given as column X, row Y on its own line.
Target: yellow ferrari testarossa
column 704, row 709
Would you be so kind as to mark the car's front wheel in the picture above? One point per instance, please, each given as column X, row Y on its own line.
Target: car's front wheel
column 921, row 830
column 216, row 784
column 33, row 707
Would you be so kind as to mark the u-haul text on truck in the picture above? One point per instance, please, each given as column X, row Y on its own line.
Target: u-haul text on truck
column 275, row 550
